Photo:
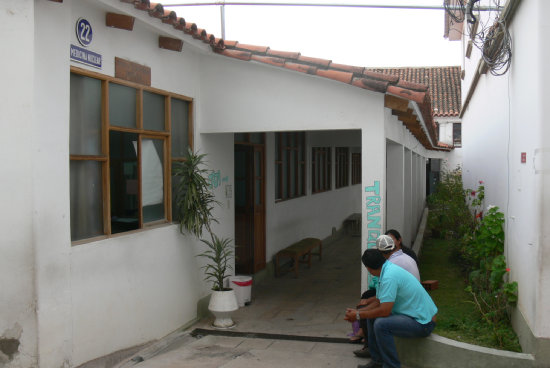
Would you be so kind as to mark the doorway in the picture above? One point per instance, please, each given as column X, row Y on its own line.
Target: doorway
column 250, row 203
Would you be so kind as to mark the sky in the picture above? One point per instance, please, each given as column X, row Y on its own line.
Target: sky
column 355, row 36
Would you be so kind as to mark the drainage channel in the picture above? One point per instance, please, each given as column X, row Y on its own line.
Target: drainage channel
column 201, row 332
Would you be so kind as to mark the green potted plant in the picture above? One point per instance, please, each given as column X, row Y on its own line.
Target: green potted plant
column 195, row 203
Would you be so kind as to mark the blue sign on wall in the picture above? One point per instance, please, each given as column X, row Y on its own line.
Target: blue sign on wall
column 84, row 32
column 84, row 56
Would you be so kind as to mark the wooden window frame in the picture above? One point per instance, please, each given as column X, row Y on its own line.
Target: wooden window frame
column 323, row 183
column 103, row 158
column 355, row 168
column 341, row 174
column 457, row 142
column 299, row 165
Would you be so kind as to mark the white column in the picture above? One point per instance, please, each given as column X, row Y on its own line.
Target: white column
column 17, row 268
column 395, row 215
column 407, row 187
column 50, row 190
column 373, row 163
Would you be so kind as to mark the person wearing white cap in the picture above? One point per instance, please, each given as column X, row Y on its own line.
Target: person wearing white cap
column 392, row 253
column 403, row 309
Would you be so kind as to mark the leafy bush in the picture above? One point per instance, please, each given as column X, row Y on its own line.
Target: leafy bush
column 449, row 215
column 480, row 250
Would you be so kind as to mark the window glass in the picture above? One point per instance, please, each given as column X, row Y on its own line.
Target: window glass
column 180, row 127
column 85, row 116
column 86, row 194
column 122, row 102
column 153, row 111
column 124, row 181
column 241, row 137
column 257, row 138
column 152, row 179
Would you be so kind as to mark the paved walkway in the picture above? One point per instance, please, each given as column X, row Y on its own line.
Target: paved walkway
column 307, row 311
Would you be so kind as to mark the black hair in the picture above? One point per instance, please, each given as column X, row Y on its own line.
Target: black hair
column 396, row 235
column 373, row 258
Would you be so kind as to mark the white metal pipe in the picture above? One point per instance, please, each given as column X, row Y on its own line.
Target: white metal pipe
column 410, row 7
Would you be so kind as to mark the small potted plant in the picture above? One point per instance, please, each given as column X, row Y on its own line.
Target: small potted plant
column 195, row 203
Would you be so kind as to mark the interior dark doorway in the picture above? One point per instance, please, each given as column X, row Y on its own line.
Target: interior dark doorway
column 250, row 203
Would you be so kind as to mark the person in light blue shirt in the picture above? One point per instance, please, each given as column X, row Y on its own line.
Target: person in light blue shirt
column 403, row 309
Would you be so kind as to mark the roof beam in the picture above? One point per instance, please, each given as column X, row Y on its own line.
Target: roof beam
column 168, row 43
column 120, row 21
column 396, row 103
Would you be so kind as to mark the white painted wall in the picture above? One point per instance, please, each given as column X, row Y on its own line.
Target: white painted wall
column 275, row 99
column 506, row 117
column 17, row 263
column 106, row 295
column 313, row 215
column 102, row 296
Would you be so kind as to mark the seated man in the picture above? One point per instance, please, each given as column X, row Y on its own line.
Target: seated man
column 390, row 246
column 403, row 308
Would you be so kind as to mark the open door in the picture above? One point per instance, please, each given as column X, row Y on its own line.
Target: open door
column 249, row 203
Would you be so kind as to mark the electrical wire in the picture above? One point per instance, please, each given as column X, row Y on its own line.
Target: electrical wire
column 489, row 34
column 456, row 10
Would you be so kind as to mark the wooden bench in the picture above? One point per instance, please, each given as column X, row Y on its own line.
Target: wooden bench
column 352, row 224
column 300, row 252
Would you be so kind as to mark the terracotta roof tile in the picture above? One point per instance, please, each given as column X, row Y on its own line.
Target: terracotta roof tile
column 269, row 60
column 381, row 76
column 230, row 43
column 141, row 4
column 407, row 93
column 301, row 68
column 344, row 77
column 284, row 54
column 348, row 68
column 252, row 48
column 421, row 85
column 314, row 61
column 241, row 55
column 180, row 24
column 371, row 84
column 443, row 82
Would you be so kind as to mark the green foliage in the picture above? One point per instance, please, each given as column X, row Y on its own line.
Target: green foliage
column 457, row 316
column 195, row 202
column 480, row 251
column 449, row 215
column 487, row 239
column 219, row 253
column 194, row 198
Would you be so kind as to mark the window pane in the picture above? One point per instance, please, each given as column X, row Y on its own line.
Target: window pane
column 153, row 111
column 241, row 137
column 152, row 179
column 124, row 181
column 258, row 192
column 292, row 174
column 86, row 194
column 285, row 175
column 122, row 106
column 256, row 138
column 85, row 123
column 180, row 127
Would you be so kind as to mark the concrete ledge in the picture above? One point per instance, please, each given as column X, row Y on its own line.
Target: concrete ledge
column 437, row 351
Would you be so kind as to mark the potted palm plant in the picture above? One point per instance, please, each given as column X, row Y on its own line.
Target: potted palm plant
column 195, row 203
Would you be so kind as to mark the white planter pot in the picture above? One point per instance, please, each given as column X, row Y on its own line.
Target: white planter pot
column 222, row 305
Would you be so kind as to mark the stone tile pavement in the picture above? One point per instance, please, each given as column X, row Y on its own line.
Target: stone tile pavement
column 300, row 321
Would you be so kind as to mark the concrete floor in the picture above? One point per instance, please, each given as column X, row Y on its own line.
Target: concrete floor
column 312, row 304
column 308, row 310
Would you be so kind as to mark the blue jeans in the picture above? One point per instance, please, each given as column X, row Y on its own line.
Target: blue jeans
column 380, row 333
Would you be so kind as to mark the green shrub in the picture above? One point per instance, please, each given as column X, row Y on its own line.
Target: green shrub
column 449, row 215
